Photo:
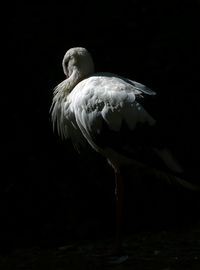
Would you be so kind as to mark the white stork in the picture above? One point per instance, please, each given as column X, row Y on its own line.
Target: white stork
column 96, row 108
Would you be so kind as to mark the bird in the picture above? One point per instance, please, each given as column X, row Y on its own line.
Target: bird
column 105, row 111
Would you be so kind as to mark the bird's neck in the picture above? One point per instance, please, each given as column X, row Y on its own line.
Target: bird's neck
column 65, row 87
column 60, row 96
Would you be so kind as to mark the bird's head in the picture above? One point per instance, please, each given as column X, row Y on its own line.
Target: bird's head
column 78, row 60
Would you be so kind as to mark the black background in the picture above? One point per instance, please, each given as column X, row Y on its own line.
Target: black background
column 49, row 193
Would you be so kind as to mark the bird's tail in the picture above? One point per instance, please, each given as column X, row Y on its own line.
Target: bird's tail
column 171, row 172
column 175, row 180
column 169, row 160
column 174, row 173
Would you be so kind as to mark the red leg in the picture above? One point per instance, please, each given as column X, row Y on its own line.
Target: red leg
column 119, row 192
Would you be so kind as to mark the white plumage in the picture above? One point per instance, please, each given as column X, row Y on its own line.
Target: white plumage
column 87, row 102
column 85, row 99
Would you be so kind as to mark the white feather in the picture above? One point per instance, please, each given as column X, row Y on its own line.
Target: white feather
column 109, row 99
column 85, row 100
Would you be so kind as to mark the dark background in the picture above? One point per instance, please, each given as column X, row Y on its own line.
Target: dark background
column 50, row 194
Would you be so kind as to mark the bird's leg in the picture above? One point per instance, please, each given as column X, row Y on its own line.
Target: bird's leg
column 119, row 193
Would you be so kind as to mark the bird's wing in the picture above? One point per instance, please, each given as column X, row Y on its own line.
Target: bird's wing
column 111, row 119
column 106, row 100
column 137, row 87
column 143, row 89
column 109, row 115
